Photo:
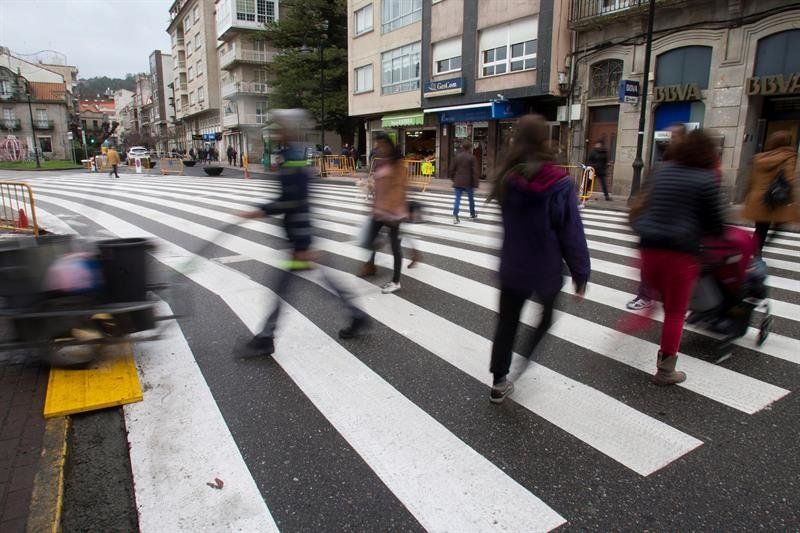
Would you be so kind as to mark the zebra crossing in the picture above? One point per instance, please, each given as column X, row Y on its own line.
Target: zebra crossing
column 587, row 392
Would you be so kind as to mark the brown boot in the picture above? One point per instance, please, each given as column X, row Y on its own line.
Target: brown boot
column 367, row 270
column 666, row 373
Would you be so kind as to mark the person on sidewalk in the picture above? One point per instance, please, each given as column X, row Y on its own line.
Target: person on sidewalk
column 542, row 229
column 778, row 157
column 465, row 175
column 113, row 160
column 389, row 207
column 682, row 207
column 598, row 159
column 231, row 158
column 293, row 203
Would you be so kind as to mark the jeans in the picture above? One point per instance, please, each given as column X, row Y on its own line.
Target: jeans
column 511, row 303
column 470, row 195
column 394, row 237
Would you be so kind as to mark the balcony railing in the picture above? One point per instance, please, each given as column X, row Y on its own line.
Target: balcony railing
column 233, row 119
column 43, row 124
column 596, row 12
column 10, row 124
column 244, row 55
column 180, row 64
column 245, row 87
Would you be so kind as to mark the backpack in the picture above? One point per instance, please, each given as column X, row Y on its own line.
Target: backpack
column 779, row 192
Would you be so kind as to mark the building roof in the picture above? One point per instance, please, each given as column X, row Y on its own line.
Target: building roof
column 97, row 106
column 48, row 92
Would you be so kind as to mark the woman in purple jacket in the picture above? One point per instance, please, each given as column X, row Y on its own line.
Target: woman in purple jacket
column 542, row 229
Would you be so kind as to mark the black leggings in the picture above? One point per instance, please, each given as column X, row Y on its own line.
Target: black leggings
column 511, row 302
column 762, row 231
column 394, row 237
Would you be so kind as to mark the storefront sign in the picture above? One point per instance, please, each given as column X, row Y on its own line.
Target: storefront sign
column 677, row 93
column 628, row 92
column 405, row 119
column 768, row 85
column 444, row 87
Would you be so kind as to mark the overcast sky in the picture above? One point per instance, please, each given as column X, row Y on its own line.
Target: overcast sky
column 100, row 37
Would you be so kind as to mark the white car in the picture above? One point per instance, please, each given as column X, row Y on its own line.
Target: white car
column 137, row 152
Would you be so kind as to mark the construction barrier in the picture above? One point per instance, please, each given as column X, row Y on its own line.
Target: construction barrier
column 17, row 207
column 334, row 165
column 419, row 173
column 583, row 178
column 171, row 165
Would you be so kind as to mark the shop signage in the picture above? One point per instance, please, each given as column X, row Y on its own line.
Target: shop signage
column 406, row 119
column 677, row 93
column 197, row 137
column 779, row 84
column 629, row 92
column 444, row 87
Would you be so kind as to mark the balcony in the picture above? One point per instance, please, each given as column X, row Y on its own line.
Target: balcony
column 10, row 124
column 244, row 88
column 233, row 120
column 43, row 124
column 243, row 55
column 229, row 21
column 180, row 43
column 594, row 13
column 180, row 64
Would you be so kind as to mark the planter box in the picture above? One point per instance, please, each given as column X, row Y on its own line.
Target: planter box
column 188, row 162
column 213, row 171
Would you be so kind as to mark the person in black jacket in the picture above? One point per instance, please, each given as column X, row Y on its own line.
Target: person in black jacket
column 598, row 159
column 682, row 207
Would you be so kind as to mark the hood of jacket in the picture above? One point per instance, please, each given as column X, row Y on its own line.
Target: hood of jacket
column 770, row 162
column 536, row 178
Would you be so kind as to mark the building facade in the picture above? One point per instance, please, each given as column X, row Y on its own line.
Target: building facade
column 195, row 72
column 434, row 74
column 163, row 116
column 727, row 66
column 244, row 85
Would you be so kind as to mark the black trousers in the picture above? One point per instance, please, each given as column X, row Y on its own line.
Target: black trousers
column 511, row 302
column 113, row 171
column 394, row 237
column 762, row 233
column 602, row 178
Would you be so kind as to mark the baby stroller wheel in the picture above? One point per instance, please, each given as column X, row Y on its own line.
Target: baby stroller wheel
column 764, row 330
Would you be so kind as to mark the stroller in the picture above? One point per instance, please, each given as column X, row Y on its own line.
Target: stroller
column 731, row 286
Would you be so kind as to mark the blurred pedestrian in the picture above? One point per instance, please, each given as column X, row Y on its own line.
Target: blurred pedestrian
column 465, row 175
column 682, row 207
column 113, row 160
column 293, row 205
column 192, row 153
column 775, row 164
column 231, row 158
column 389, row 207
column 542, row 229
column 598, row 159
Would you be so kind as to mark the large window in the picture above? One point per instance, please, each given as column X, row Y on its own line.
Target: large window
column 196, row 14
column 46, row 144
column 509, row 48
column 399, row 13
column 255, row 10
column 191, row 98
column 400, row 69
column 191, row 73
column 605, row 78
column 199, row 69
column 363, row 79
column 201, row 93
column 777, row 54
column 363, row 18
column 5, row 89
column 684, row 66
column 447, row 56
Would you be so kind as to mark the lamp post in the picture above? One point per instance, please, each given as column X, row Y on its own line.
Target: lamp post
column 322, row 36
column 33, row 125
column 638, row 163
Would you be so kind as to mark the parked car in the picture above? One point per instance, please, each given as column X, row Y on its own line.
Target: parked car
column 138, row 151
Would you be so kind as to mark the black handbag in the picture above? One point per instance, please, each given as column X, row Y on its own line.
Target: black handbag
column 779, row 192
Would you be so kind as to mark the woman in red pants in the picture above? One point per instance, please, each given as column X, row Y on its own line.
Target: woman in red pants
column 682, row 207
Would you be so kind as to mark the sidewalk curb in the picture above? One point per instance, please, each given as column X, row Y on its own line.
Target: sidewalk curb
column 44, row 513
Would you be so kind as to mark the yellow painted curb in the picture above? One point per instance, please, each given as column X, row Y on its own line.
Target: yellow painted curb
column 44, row 514
column 110, row 381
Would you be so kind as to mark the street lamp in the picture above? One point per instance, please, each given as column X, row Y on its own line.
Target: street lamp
column 638, row 163
column 33, row 125
column 305, row 49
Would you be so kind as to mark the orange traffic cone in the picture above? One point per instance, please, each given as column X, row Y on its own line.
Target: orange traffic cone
column 22, row 222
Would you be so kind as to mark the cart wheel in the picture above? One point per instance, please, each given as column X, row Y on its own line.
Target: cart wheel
column 764, row 330
column 72, row 356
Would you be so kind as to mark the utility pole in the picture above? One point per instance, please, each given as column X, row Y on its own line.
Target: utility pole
column 638, row 163
column 33, row 125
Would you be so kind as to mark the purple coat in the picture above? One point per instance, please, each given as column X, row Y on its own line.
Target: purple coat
column 542, row 230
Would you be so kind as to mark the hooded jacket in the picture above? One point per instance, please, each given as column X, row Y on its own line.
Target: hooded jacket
column 542, row 230
column 464, row 171
column 293, row 201
column 765, row 167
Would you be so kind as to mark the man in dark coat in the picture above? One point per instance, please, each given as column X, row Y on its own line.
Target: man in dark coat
column 465, row 175
column 598, row 159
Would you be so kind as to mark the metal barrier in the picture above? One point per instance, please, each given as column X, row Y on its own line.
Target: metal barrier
column 171, row 165
column 583, row 178
column 420, row 173
column 18, row 208
column 334, row 165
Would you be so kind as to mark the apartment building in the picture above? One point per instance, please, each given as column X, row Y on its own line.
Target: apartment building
column 195, row 72
column 243, row 58
column 728, row 66
column 163, row 116
column 455, row 70
column 123, row 109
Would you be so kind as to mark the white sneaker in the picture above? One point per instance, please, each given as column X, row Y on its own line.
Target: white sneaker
column 390, row 287
column 637, row 304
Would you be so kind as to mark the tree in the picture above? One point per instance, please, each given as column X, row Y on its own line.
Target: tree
column 93, row 87
column 294, row 73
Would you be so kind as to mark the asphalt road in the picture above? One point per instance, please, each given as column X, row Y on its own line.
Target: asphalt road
column 394, row 430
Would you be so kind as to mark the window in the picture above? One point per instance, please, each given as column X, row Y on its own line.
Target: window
column 191, row 98
column 447, row 56
column 201, row 93
column 255, row 10
column 189, row 47
column 509, row 48
column 363, row 18
column 400, row 69
column 191, row 74
column 399, row 13
column 196, row 14
column 198, row 42
column 46, row 144
column 605, row 78
column 199, row 69
column 41, row 115
column 83, row 124
column 260, row 75
column 777, row 54
column 261, row 112
column 363, row 79
column 5, row 89
column 94, row 125
column 684, row 66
